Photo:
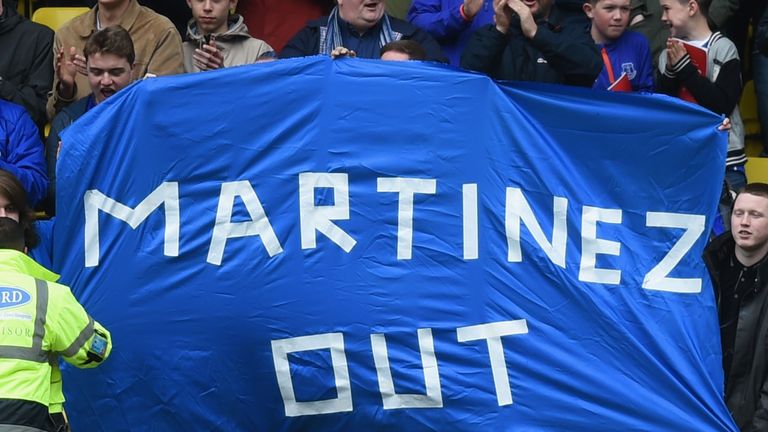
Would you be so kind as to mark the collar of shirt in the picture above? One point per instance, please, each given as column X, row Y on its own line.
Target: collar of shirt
column 365, row 45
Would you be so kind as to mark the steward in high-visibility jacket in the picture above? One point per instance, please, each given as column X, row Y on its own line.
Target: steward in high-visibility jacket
column 39, row 320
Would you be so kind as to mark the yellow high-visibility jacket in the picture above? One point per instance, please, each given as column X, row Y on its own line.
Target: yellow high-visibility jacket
column 39, row 320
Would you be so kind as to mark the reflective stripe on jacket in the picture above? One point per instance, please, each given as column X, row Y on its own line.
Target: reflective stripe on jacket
column 39, row 320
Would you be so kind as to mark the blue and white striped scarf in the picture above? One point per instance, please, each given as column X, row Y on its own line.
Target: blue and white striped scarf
column 330, row 36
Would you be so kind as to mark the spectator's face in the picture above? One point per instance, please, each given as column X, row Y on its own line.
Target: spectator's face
column 749, row 222
column 7, row 209
column 395, row 56
column 107, row 74
column 675, row 15
column 539, row 8
column 362, row 14
column 609, row 19
column 211, row 15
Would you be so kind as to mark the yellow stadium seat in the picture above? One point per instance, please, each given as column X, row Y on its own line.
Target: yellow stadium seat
column 757, row 170
column 55, row 17
column 748, row 108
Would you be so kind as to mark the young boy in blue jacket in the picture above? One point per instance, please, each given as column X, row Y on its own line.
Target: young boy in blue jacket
column 623, row 51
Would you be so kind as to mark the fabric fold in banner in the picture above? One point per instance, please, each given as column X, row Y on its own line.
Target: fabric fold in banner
column 361, row 245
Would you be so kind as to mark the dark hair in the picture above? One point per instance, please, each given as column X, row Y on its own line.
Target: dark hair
column 11, row 234
column 13, row 191
column 111, row 40
column 412, row 49
column 703, row 6
column 758, row 189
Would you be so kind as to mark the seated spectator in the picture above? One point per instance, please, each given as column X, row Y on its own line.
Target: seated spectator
column 157, row 43
column 110, row 60
column 403, row 50
column 451, row 22
column 624, row 52
column 216, row 38
column 360, row 26
column 26, row 60
column 719, row 89
column 533, row 43
column 21, row 150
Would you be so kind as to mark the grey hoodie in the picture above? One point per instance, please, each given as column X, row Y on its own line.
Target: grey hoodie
column 236, row 44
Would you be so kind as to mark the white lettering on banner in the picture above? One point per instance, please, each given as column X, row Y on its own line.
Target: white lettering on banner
column 517, row 209
column 591, row 246
column 258, row 225
column 491, row 333
column 318, row 218
column 331, row 341
column 167, row 195
column 471, row 231
column 315, row 218
column 657, row 279
column 406, row 188
column 392, row 400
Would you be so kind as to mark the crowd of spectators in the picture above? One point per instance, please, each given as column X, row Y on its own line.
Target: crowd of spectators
column 584, row 43
column 58, row 77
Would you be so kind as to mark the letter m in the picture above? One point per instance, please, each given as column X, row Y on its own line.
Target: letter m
column 167, row 194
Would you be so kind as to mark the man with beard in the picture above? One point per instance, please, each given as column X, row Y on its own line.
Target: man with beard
column 533, row 41
column 360, row 26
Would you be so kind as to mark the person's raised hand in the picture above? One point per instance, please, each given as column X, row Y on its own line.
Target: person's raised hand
column 209, row 56
column 472, row 7
column 502, row 15
column 66, row 70
column 675, row 52
column 527, row 22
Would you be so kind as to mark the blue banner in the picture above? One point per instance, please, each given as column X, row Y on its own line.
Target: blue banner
column 361, row 245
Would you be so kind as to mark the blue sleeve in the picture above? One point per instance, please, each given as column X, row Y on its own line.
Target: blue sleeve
column 60, row 122
column 645, row 65
column 24, row 157
column 43, row 252
column 439, row 21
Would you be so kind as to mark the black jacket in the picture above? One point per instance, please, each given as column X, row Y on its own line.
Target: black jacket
column 746, row 383
column 761, row 34
column 26, row 62
column 307, row 41
column 561, row 52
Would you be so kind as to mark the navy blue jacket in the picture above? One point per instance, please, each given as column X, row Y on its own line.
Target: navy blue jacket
column 307, row 41
column 21, row 151
column 561, row 52
column 63, row 119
